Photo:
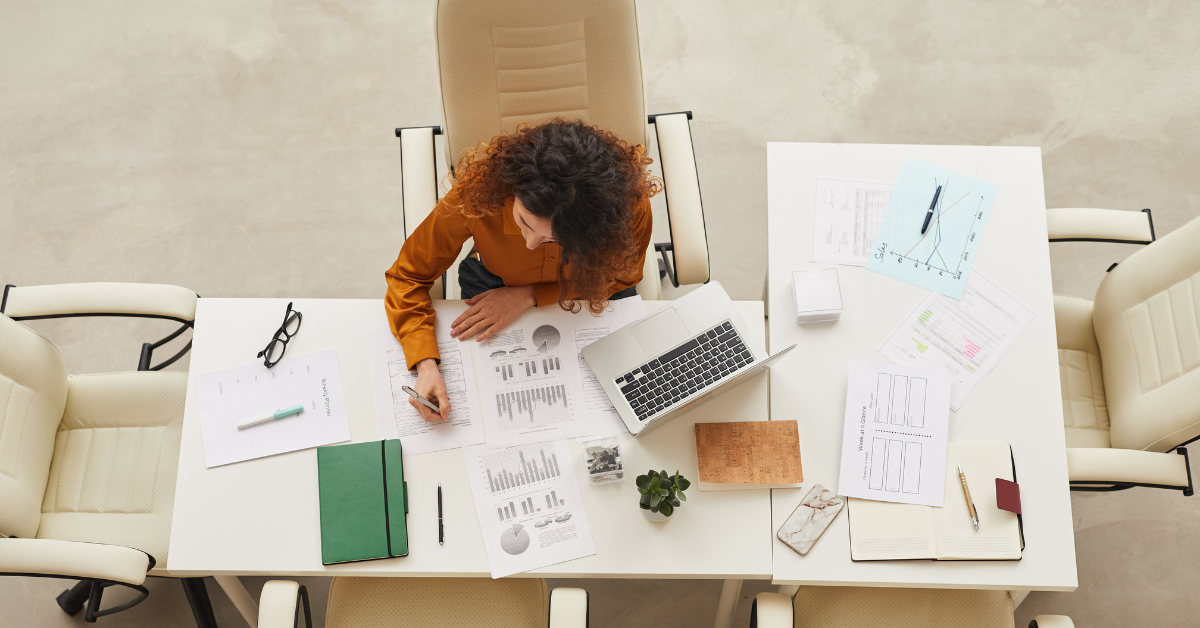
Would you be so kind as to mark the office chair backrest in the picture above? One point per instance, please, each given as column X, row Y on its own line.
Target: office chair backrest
column 1147, row 318
column 33, row 396
column 504, row 62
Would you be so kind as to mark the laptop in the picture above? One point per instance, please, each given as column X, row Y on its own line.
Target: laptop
column 667, row 361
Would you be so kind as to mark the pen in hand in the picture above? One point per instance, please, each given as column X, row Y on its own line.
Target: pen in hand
column 962, row 478
column 416, row 395
column 929, row 214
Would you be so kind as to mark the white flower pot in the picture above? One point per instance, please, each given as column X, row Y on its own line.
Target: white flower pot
column 656, row 517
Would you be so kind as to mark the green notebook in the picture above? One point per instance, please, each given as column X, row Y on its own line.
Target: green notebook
column 364, row 502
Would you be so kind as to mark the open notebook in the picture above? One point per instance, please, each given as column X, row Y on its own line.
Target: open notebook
column 888, row 531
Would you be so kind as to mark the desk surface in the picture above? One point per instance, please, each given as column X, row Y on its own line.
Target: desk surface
column 1018, row 403
column 260, row 517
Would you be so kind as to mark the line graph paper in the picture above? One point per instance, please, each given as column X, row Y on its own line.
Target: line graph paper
column 939, row 259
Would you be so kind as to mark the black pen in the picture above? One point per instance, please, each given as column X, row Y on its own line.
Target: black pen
column 929, row 214
column 441, row 532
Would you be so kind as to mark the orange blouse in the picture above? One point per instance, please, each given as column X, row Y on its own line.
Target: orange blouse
column 435, row 245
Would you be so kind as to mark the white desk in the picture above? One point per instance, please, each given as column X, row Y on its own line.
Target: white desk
column 261, row 517
column 1018, row 403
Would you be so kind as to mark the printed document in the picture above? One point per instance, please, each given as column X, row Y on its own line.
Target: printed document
column 939, row 259
column 534, row 385
column 846, row 216
column 964, row 338
column 894, row 437
column 530, row 509
column 234, row 396
column 389, row 373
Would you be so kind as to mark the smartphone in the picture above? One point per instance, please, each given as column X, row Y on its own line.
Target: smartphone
column 808, row 521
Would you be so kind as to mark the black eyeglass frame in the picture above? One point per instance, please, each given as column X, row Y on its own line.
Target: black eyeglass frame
column 282, row 335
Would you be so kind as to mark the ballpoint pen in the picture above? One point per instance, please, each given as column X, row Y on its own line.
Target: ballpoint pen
column 441, row 531
column 416, row 395
column 286, row 412
column 962, row 478
column 929, row 214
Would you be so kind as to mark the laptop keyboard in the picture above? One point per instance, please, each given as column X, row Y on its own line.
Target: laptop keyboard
column 684, row 371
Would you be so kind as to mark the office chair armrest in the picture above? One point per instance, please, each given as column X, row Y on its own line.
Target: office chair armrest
column 146, row 300
column 418, row 174
column 771, row 610
column 685, row 211
column 568, row 608
column 1127, row 466
column 279, row 602
column 1051, row 621
column 73, row 559
column 1099, row 225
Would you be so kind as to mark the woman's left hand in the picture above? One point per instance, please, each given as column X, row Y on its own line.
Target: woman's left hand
column 491, row 312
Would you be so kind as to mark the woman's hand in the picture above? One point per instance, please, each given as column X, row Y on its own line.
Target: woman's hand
column 491, row 312
column 431, row 386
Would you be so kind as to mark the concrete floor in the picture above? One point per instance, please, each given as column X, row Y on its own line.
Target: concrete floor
column 245, row 149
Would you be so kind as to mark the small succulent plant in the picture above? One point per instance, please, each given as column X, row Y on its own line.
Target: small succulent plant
column 662, row 493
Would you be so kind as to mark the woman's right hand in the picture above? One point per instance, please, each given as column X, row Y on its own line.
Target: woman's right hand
column 431, row 386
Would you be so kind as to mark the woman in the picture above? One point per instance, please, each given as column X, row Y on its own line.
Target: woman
column 559, row 212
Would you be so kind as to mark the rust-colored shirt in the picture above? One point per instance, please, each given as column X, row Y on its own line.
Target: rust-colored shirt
column 435, row 245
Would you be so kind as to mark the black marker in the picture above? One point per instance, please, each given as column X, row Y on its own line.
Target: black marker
column 441, row 532
column 929, row 214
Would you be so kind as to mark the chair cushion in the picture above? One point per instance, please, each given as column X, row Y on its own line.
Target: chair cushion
column 33, row 392
column 437, row 603
column 872, row 607
column 1147, row 320
column 504, row 62
column 1085, row 414
column 112, row 479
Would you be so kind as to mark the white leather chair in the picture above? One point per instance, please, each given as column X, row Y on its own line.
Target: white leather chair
column 428, row 603
column 872, row 607
column 1128, row 361
column 88, row 462
column 506, row 62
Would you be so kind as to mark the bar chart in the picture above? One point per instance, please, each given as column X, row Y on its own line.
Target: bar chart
column 524, row 370
column 518, row 467
column 533, row 407
column 529, row 504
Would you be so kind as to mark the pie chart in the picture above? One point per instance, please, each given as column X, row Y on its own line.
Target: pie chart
column 514, row 540
column 546, row 338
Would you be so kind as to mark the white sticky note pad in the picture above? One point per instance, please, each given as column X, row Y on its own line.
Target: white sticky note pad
column 817, row 297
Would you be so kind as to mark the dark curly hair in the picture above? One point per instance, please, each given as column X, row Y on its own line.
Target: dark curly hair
column 582, row 179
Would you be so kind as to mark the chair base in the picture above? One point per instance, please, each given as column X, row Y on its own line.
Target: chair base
column 71, row 600
column 197, row 596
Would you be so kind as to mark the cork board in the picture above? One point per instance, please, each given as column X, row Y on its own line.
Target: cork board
column 751, row 452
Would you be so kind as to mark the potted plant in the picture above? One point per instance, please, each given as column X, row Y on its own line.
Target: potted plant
column 661, row 494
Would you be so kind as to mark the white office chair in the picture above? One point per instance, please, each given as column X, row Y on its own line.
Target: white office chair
column 875, row 607
column 428, row 603
column 88, row 462
column 1129, row 361
column 506, row 62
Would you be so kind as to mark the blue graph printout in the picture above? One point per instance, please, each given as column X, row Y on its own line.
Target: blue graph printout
column 941, row 258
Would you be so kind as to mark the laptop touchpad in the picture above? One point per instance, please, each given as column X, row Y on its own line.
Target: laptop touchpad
column 660, row 332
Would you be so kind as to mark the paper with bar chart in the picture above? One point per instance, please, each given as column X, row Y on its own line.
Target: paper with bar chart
column 534, row 386
column 395, row 416
column 530, row 509
column 894, row 437
column 964, row 338
column 939, row 259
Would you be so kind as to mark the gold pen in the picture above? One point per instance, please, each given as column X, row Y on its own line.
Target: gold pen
column 962, row 478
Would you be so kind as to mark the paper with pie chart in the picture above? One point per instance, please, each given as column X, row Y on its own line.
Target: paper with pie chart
column 529, row 506
column 533, row 385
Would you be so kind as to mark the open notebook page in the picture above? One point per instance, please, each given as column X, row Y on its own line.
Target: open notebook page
column 890, row 531
column 999, row 536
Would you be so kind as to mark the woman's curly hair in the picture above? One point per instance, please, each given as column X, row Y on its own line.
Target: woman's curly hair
column 582, row 179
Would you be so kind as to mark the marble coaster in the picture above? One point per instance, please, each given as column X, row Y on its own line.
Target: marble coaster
column 816, row 511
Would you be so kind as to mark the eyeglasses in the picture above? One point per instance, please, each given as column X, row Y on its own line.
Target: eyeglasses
column 291, row 325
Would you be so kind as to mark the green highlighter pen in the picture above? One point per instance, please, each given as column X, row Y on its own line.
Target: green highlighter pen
column 286, row 412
